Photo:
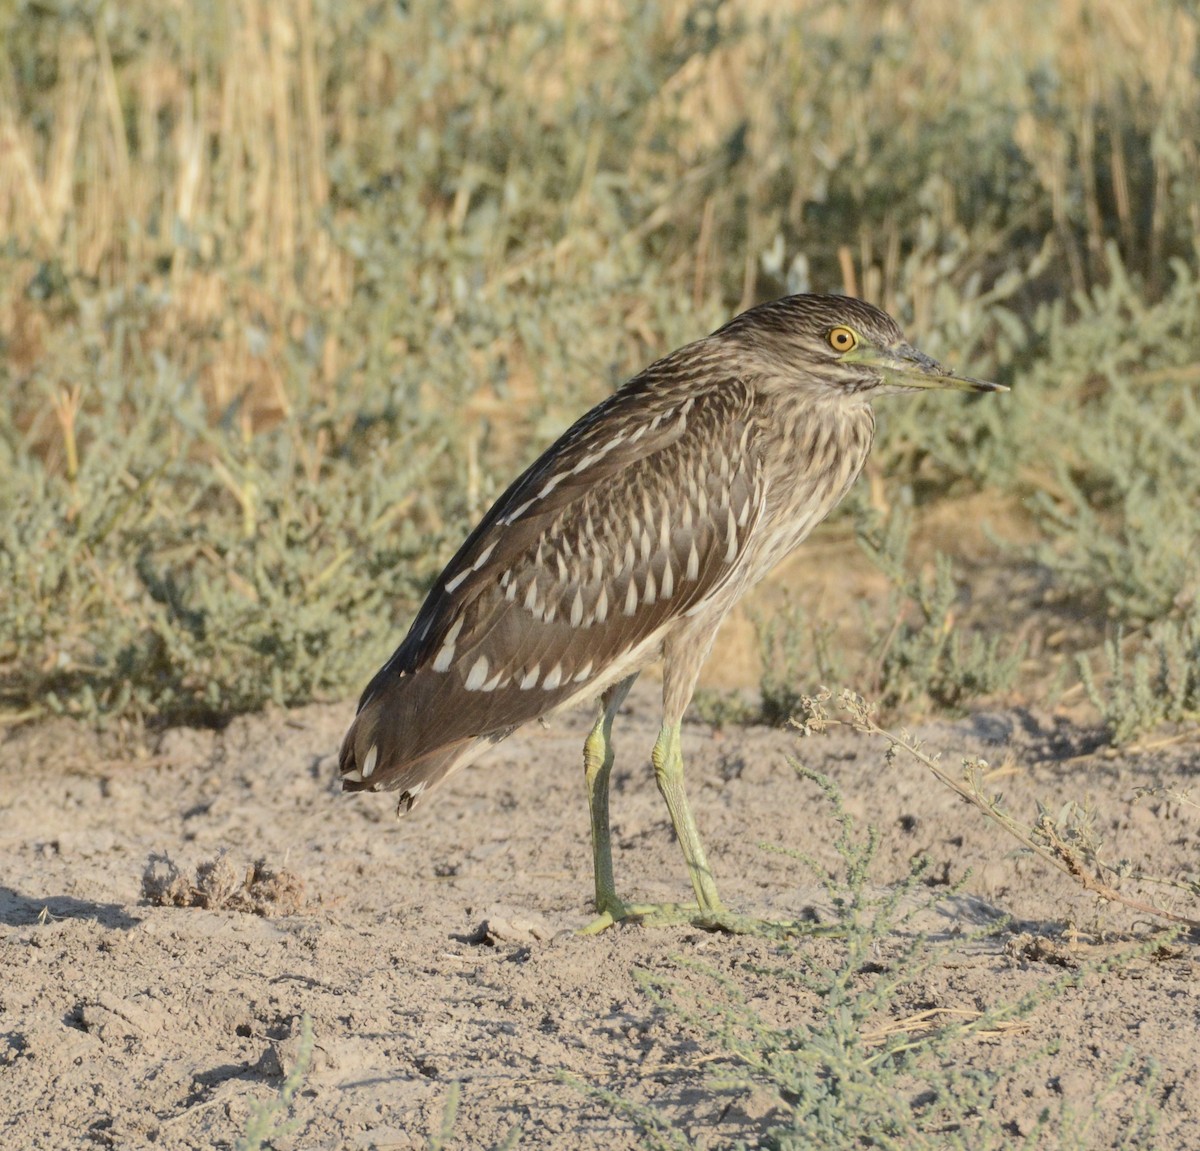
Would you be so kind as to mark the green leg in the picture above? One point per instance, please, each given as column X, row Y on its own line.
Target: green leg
column 709, row 912
column 597, row 768
column 668, row 772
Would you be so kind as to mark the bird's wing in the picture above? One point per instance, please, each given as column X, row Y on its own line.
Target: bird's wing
column 626, row 524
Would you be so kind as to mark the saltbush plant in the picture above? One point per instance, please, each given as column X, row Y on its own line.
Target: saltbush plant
column 288, row 294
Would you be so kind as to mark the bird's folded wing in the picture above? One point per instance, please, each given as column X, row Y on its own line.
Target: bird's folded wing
column 635, row 517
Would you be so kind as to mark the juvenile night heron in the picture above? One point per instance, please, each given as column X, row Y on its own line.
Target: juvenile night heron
column 631, row 536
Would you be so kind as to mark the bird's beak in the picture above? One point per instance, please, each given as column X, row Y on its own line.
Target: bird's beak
column 903, row 367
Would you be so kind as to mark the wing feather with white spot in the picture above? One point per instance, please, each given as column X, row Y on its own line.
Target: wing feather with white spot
column 638, row 514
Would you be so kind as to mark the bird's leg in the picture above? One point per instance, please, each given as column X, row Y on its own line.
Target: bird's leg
column 597, row 768
column 709, row 912
column 685, row 652
column 668, row 773
column 683, row 655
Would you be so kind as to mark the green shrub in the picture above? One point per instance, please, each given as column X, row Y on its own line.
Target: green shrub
column 268, row 348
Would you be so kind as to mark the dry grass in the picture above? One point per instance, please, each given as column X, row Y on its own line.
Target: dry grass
column 197, row 157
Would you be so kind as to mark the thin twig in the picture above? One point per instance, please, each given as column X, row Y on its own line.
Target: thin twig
column 1053, row 849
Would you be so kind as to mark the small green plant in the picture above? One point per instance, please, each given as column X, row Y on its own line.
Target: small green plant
column 789, row 651
column 921, row 653
column 869, row 1063
column 859, row 1069
column 1066, row 840
column 1159, row 683
column 914, row 651
column 721, row 709
column 184, row 573
column 270, row 1120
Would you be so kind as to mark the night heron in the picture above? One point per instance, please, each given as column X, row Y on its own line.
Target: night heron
column 633, row 535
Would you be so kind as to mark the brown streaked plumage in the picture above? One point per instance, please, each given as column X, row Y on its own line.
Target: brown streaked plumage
column 634, row 534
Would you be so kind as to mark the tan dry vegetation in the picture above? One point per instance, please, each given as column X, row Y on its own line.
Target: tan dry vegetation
column 214, row 211
column 196, row 167
column 451, row 228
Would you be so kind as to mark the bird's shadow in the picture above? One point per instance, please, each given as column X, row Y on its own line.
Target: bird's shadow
column 19, row 910
column 1049, row 739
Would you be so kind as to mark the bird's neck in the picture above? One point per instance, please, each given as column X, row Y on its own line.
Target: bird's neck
column 823, row 446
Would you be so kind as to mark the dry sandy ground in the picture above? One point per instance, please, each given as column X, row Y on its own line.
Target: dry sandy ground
column 127, row 1024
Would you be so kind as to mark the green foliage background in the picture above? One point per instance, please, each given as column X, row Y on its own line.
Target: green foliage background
column 287, row 292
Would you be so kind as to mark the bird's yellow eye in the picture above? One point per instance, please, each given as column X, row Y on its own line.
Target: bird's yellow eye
column 842, row 339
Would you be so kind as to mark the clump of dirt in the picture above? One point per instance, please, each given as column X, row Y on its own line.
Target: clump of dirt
column 1040, row 949
column 217, row 885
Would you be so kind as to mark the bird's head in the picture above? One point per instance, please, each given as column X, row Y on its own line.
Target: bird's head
column 842, row 345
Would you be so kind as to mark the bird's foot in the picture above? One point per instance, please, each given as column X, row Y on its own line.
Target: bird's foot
column 615, row 910
column 689, row 914
column 732, row 923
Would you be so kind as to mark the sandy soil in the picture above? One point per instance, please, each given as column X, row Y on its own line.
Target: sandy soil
column 128, row 1024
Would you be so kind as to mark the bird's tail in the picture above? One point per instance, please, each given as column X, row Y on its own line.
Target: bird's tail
column 370, row 760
